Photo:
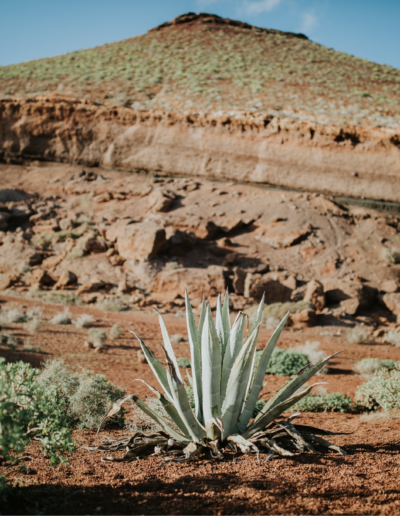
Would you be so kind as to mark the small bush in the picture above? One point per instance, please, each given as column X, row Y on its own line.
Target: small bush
column 34, row 325
column 141, row 422
column 15, row 316
column 357, row 335
column 8, row 340
column 112, row 305
column 314, row 354
column 382, row 391
column 61, row 318
column 183, row 362
column 115, row 332
column 88, row 395
column 392, row 337
column 29, row 409
column 369, row 366
column 97, row 337
column 285, row 362
column 84, row 321
column 34, row 312
column 331, row 402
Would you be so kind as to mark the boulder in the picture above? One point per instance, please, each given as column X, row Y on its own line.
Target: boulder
column 40, row 277
column 14, row 254
column 90, row 286
column 303, row 318
column 179, row 242
column 277, row 236
column 116, row 229
column 94, row 245
column 160, row 200
column 390, row 286
column 9, row 280
column 66, row 224
column 67, row 278
column 353, row 296
column 198, row 282
column 315, row 294
column 203, row 229
column 141, row 241
column 143, row 274
column 392, row 302
column 52, row 261
column 275, row 292
column 90, row 266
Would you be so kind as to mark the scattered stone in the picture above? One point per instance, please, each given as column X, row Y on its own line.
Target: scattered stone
column 315, row 294
column 176, row 338
column 160, row 200
column 141, row 241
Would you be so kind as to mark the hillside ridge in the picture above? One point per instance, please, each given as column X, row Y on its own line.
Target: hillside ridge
column 207, row 63
column 213, row 19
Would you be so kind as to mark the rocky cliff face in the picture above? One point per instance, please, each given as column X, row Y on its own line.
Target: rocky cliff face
column 240, row 146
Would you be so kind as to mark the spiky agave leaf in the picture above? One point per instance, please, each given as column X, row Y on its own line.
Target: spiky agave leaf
column 195, row 352
column 211, row 368
column 226, row 386
column 237, row 383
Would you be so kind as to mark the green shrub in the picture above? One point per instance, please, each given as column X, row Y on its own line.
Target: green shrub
column 330, row 402
column 183, row 362
column 84, row 321
column 382, row 391
column 357, row 335
column 285, row 362
column 115, row 332
column 29, row 408
column 61, row 318
column 97, row 336
column 88, row 395
column 368, row 366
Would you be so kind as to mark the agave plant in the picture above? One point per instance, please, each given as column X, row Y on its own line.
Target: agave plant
column 226, row 385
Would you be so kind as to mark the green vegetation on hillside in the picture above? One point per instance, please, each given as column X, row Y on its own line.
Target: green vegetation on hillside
column 219, row 67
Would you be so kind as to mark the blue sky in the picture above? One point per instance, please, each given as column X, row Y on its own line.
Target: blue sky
column 31, row 29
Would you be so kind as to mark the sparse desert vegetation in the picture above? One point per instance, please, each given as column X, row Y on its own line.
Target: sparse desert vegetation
column 212, row 65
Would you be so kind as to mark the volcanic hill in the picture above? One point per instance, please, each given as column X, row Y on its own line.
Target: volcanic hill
column 209, row 63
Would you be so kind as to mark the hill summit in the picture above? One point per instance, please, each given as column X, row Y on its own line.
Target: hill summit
column 207, row 63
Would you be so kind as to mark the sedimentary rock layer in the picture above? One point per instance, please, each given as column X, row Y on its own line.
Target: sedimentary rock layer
column 240, row 146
